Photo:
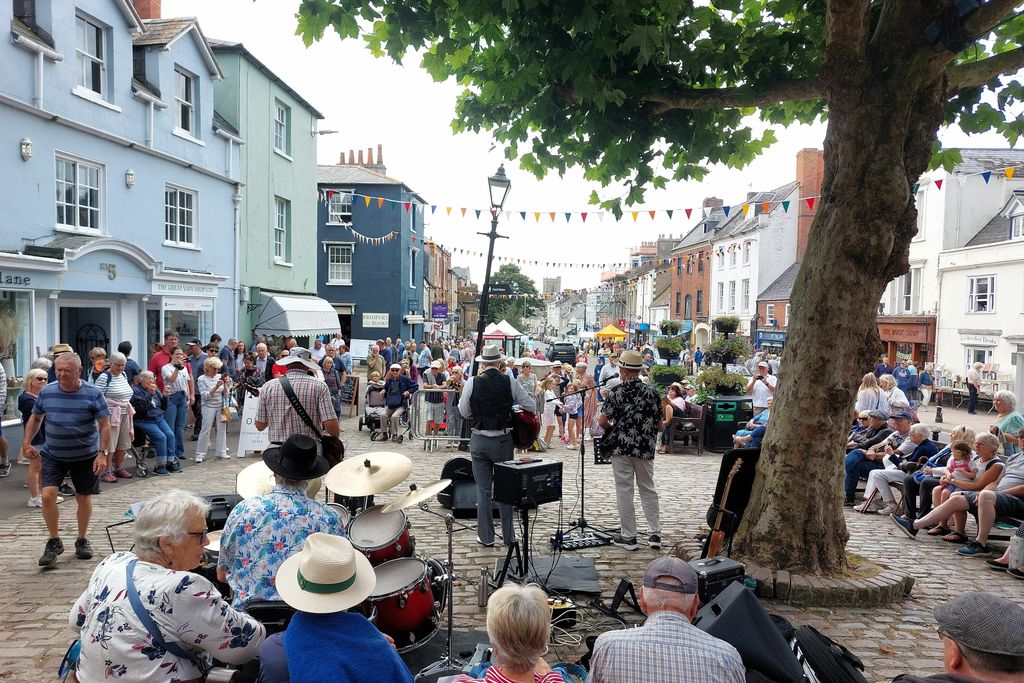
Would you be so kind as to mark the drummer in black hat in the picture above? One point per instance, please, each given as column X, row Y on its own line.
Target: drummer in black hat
column 266, row 528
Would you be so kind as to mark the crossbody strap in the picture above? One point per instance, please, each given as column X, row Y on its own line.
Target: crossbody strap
column 147, row 622
column 294, row 400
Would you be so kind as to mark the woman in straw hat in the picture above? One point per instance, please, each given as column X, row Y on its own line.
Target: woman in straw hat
column 324, row 641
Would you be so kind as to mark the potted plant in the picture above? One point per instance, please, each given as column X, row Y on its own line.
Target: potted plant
column 715, row 381
column 665, row 375
column 670, row 327
column 727, row 324
column 668, row 347
column 725, row 350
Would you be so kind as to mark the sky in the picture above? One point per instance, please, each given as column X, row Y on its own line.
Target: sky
column 372, row 101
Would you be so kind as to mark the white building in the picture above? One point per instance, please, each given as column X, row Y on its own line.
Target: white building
column 751, row 250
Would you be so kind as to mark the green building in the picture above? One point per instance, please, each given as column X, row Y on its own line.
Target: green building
column 276, row 262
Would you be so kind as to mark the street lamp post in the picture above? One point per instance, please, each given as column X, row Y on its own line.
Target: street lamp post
column 499, row 186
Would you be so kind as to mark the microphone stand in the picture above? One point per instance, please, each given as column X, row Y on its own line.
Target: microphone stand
column 580, row 531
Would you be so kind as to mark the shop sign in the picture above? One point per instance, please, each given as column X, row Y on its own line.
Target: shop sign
column 905, row 333
column 184, row 288
column 971, row 339
column 769, row 336
column 439, row 310
column 188, row 304
column 8, row 279
column 376, row 320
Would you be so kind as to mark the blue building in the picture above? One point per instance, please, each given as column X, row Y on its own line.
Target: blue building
column 120, row 189
column 370, row 261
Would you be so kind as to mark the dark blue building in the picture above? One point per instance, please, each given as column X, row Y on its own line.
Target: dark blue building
column 370, row 251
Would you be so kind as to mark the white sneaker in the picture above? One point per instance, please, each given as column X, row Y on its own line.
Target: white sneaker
column 198, row 459
column 867, row 507
column 223, row 456
column 889, row 509
column 35, row 502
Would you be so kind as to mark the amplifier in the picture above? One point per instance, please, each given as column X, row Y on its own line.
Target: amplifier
column 528, row 482
column 714, row 574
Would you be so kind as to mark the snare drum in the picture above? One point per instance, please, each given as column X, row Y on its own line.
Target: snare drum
column 381, row 536
column 343, row 513
column 405, row 605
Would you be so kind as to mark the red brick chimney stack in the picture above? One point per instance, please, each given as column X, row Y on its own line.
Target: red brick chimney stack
column 351, row 157
column 369, row 156
column 810, row 172
column 147, row 9
column 380, row 154
column 360, row 157
column 712, row 203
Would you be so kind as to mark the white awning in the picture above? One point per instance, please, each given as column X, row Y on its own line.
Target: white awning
column 295, row 314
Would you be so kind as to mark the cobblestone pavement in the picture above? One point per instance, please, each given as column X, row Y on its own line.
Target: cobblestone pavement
column 34, row 603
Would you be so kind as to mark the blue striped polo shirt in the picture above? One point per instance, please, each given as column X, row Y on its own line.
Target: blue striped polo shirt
column 71, row 430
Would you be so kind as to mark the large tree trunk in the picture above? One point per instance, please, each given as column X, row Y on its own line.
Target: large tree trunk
column 882, row 122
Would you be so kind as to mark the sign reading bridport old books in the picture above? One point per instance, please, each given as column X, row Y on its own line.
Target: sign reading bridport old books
column 376, row 320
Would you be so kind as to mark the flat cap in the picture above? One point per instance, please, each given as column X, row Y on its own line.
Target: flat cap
column 879, row 414
column 984, row 622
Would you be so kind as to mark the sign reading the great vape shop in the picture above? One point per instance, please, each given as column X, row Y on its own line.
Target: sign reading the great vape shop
column 184, row 289
column 15, row 279
column 375, row 319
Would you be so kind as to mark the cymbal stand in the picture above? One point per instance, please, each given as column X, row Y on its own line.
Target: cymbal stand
column 447, row 662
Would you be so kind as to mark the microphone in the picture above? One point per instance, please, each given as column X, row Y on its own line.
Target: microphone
column 609, row 378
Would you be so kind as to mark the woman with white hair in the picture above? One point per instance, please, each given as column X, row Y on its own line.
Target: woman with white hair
column 35, row 379
column 1010, row 422
column 518, row 624
column 213, row 388
column 117, row 391
column 880, row 480
column 146, row 617
column 894, row 398
column 973, row 386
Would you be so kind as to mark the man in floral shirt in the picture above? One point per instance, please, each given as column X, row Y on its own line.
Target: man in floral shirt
column 631, row 418
column 263, row 531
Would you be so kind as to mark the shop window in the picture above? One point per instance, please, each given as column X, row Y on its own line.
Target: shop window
column 981, row 294
column 977, row 355
column 15, row 345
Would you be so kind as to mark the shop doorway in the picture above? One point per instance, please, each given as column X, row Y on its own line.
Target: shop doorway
column 85, row 328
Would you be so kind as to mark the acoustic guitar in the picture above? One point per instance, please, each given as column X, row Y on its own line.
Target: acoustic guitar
column 717, row 539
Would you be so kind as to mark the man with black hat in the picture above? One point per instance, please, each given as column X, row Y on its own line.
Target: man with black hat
column 276, row 410
column 487, row 401
column 982, row 641
column 263, row 531
column 667, row 648
column 631, row 418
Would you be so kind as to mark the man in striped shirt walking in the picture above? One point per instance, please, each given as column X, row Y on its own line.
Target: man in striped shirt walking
column 77, row 443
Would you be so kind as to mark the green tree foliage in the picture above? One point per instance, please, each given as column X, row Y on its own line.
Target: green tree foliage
column 523, row 301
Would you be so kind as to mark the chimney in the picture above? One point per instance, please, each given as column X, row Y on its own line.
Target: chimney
column 712, row 203
column 147, row 9
column 342, row 159
column 351, row 157
column 369, row 156
column 810, row 172
column 360, row 157
column 380, row 154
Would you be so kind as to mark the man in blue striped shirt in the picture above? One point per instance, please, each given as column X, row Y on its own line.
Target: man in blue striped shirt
column 77, row 442
column 667, row 648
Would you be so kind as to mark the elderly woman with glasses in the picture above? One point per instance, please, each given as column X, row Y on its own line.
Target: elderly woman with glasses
column 35, row 379
column 146, row 617
column 1010, row 422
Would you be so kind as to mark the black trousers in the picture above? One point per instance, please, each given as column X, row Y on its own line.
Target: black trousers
column 972, row 397
column 913, row 488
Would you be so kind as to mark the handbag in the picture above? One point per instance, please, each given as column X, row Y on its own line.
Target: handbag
column 331, row 446
column 152, row 628
column 525, row 428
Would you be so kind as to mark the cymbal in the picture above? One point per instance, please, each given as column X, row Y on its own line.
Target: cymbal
column 367, row 474
column 416, row 495
column 258, row 480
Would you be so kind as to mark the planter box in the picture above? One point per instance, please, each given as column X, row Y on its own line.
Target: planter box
column 667, row 354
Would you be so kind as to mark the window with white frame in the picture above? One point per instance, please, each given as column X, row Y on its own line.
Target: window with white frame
column 981, row 294
column 745, row 296
column 785, row 322
column 977, row 355
column 732, row 295
column 746, row 253
column 92, row 55
column 282, row 229
column 908, row 292
column 732, row 255
column 339, row 264
column 282, row 119
column 1017, row 226
column 339, row 206
column 688, row 307
column 179, row 217
column 721, row 296
column 769, row 314
column 78, row 194
column 721, row 260
column 185, row 101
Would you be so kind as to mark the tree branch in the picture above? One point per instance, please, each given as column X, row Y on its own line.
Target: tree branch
column 846, row 29
column 744, row 96
column 987, row 16
column 973, row 74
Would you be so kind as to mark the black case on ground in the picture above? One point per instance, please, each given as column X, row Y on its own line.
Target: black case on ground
column 714, row 574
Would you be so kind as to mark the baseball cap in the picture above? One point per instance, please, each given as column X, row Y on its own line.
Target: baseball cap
column 670, row 566
column 395, row 366
column 900, row 416
column 983, row 622
column 763, row 364
column 435, row 364
column 195, row 342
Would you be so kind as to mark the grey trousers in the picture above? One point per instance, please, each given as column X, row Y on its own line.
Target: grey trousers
column 627, row 469
column 486, row 451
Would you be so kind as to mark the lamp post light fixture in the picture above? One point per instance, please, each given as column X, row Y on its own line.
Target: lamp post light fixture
column 26, row 149
column 129, row 178
column 499, row 186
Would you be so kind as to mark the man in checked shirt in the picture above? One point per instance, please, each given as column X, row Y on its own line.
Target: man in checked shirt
column 276, row 411
column 667, row 648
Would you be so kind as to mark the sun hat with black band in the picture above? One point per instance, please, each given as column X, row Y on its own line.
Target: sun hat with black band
column 491, row 354
column 296, row 458
column 631, row 360
column 326, row 576
column 671, row 567
column 983, row 622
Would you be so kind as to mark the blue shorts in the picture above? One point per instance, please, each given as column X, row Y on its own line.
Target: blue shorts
column 1006, row 505
column 54, row 471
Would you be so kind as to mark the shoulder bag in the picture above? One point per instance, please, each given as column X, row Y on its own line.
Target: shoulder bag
column 152, row 628
column 331, row 446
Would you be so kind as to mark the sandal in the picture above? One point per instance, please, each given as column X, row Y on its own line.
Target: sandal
column 122, row 473
column 938, row 531
column 955, row 537
column 108, row 477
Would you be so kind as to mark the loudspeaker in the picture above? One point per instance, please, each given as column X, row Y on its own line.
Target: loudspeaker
column 737, row 617
column 739, row 492
column 221, row 505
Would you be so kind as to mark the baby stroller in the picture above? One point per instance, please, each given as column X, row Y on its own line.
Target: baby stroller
column 376, row 408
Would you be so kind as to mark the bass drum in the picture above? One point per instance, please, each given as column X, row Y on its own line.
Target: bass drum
column 405, row 604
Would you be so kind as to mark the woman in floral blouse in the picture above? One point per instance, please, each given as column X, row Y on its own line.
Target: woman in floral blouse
column 170, row 534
